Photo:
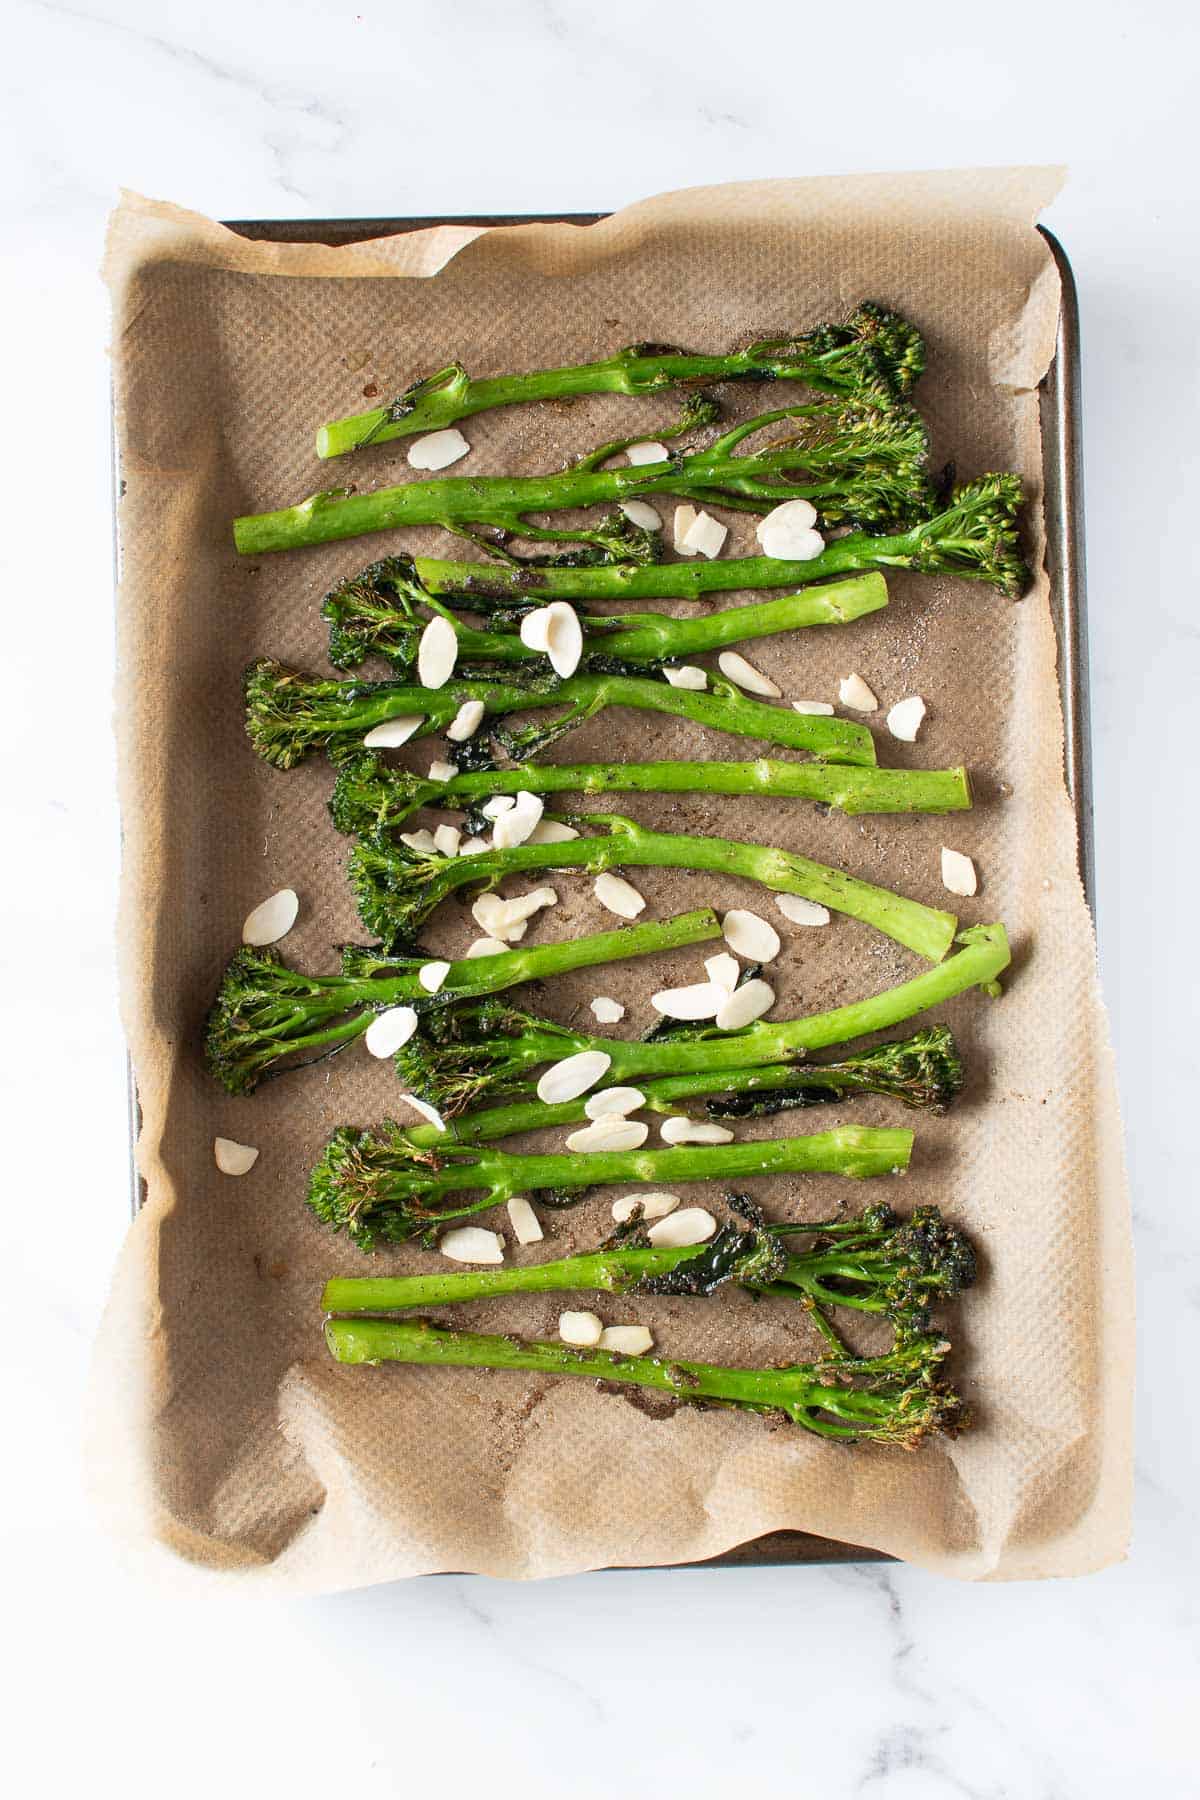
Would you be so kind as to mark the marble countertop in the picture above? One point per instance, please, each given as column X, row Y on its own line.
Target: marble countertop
column 860, row 1680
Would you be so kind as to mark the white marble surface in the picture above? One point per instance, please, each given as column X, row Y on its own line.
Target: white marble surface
column 833, row 1682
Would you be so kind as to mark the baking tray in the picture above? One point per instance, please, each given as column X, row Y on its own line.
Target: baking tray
column 1062, row 467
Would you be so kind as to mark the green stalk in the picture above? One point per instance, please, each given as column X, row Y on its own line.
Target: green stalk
column 894, row 1399
column 289, row 714
column 379, row 1185
column 495, row 1051
column 857, row 464
column 369, row 796
column 265, row 1012
column 876, row 351
column 397, row 888
column 376, row 613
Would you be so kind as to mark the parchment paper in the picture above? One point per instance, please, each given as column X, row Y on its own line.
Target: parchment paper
column 220, row 1427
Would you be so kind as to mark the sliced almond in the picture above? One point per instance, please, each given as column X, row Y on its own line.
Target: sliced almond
column 446, row 840
column 735, row 668
column 618, row 895
column 653, row 1206
column 801, row 514
column 700, row 1001
column 616, row 1102
column 442, row 771
column 535, row 629
column 438, row 449
column 691, row 1225
column 687, row 676
column 745, row 1004
column 649, row 452
column 499, row 803
column 788, row 533
column 819, row 708
column 422, row 841
column 611, row 1133
column 958, row 873
column 607, row 1011
column 854, row 693
column 515, row 825
column 564, row 639
column 573, row 1076
column 580, row 1328
column 472, row 1244
column 271, row 919
column 705, row 536
column 432, row 974
column 233, row 1158
column 681, row 1130
column 685, row 518
column 430, row 1114
column 466, row 721
column 392, row 733
column 527, row 1227
column 486, row 946
column 389, row 1031
column 437, row 652
column 627, row 1340
column 551, row 831
column 801, row 911
column 723, row 970
column 640, row 512
column 523, row 906
column 750, row 936
column 904, row 719
column 473, row 847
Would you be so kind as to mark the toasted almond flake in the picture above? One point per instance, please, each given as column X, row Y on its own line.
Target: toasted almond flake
column 514, row 826
column 627, row 1340
column 616, row 1102
column 640, row 512
column 573, row 1076
column 854, row 693
column 618, row 895
column 649, row 452
column 499, row 803
column 535, row 629
column 392, row 733
column 446, row 840
column 819, row 708
column 745, row 1004
column 607, row 1011
column 389, row 1031
column 466, row 721
column 688, row 676
column 904, row 719
column 692, row 1225
column 437, row 652
column 271, row 919
column 801, row 911
column 527, row 1228
column 685, row 518
column 422, row 841
column 723, row 970
column 653, row 1206
column 958, row 873
column 551, row 831
column 472, row 1244
column 611, row 1133
column 430, row 1114
column 233, row 1158
column 473, row 847
column 438, row 449
column 581, row 1328
column 788, row 533
column 442, row 771
column 681, row 1130
column 432, row 974
column 750, row 936
column 564, row 639
column 486, row 946
column 735, row 668
column 705, row 536
column 700, row 1001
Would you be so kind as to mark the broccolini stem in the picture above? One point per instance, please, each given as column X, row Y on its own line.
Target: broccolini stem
column 890, row 1399
column 397, row 888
